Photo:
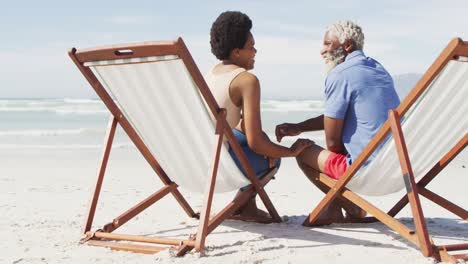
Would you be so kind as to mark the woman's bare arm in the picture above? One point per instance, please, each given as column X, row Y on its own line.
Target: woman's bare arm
column 247, row 85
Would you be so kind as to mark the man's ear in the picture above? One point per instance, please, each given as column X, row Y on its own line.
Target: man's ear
column 349, row 46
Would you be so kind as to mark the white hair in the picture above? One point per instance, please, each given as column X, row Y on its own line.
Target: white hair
column 345, row 30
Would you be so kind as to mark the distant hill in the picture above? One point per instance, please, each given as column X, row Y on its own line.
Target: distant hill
column 405, row 82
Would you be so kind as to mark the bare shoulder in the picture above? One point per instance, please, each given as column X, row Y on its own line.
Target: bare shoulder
column 246, row 80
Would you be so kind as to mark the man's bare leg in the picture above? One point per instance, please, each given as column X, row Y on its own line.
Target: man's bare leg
column 312, row 163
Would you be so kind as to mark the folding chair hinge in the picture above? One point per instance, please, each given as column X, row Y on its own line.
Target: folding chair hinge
column 406, row 178
column 109, row 227
column 86, row 237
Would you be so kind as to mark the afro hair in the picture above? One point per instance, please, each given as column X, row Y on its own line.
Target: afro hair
column 229, row 31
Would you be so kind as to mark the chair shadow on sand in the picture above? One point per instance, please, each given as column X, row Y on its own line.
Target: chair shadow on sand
column 442, row 228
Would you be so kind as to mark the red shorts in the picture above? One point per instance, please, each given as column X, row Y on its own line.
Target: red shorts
column 336, row 165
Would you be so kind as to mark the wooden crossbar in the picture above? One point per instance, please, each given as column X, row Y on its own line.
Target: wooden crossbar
column 444, row 203
column 146, row 239
column 454, row 247
column 378, row 214
column 127, row 246
column 138, row 208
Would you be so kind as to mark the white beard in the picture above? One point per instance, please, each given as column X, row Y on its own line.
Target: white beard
column 333, row 59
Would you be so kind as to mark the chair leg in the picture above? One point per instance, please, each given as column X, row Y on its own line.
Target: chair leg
column 205, row 213
column 268, row 204
column 185, row 205
column 102, row 169
column 411, row 187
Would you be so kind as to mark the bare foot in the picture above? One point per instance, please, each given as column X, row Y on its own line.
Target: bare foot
column 355, row 212
column 331, row 213
column 250, row 212
column 254, row 212
column 258, row 216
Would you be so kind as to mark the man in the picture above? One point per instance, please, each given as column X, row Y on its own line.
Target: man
column 358, row 94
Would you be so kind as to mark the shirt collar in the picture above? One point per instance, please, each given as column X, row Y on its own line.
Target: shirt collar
column 355, row 53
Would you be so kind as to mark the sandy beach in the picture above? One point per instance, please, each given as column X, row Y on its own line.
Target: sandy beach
column 44, row 196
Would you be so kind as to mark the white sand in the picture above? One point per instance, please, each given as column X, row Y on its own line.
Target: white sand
column 44, row 196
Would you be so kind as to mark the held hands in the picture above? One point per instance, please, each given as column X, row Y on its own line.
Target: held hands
column 286, row 129
column 300, row 145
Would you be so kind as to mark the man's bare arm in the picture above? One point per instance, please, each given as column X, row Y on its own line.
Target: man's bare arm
column 313, row 124
column 333, row 134
column 291, row 129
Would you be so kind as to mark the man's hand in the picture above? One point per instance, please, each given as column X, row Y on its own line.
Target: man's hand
column 286, row 129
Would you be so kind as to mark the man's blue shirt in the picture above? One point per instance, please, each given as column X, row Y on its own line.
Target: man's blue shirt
column 360, row 91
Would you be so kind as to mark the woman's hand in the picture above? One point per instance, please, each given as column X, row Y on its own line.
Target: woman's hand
column 300, row 145
column 272, row 162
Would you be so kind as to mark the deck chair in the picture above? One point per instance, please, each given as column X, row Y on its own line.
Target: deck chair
column 419, row 139
column 156, row 93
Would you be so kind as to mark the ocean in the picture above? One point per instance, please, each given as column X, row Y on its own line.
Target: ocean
column 81, row 123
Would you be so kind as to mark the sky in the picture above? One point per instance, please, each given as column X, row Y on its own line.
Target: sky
column 405, row 36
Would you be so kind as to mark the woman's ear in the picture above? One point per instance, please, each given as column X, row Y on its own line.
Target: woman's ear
column 234, row 55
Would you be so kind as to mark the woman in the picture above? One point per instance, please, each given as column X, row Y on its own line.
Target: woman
column 238, row 91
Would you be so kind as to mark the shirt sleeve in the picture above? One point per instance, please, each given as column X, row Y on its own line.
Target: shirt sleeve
column 337, row 97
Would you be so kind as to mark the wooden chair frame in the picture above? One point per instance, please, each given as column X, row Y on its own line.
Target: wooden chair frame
column 419, row 237
column 103, row 236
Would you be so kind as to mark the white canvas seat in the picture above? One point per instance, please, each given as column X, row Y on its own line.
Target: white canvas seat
column 165, row 107
column 431, row 128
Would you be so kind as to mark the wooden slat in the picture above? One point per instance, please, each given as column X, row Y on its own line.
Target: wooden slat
column 462, row 49
column 146, row 239
column 145, row 49
column 127, row 247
